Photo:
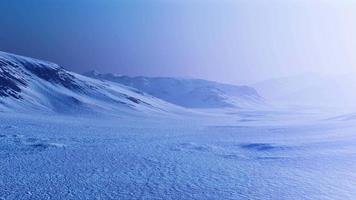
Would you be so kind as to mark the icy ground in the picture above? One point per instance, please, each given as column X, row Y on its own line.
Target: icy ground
column 221, row 157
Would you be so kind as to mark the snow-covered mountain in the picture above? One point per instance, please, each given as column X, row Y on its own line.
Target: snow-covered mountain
column 189, row 93
column 28, row 84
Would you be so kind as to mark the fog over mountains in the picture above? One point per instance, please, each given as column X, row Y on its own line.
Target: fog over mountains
column 312, row 90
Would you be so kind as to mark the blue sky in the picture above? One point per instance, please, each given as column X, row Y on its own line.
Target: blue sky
column 223, row 40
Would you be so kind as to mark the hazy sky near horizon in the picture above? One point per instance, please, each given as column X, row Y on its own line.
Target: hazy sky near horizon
column 223, row 40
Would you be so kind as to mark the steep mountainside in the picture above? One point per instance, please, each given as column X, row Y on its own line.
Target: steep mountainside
column 28, row 84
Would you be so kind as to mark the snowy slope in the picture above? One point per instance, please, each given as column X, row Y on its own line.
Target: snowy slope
column 28, row 84
column 189, row 93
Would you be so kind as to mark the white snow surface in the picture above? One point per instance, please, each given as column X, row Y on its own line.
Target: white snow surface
column 252, row 155
column 105, row 146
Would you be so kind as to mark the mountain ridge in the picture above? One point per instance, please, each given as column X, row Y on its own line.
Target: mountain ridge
column 28, row 84
column 187, row 92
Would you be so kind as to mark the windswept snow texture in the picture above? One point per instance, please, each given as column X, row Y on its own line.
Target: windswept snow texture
column 178, row 158
column 190, row 93
column 28, row 85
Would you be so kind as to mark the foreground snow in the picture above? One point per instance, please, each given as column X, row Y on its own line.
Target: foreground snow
column 233, row 156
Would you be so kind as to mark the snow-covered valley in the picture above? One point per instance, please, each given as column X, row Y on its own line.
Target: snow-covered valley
column 66, row 136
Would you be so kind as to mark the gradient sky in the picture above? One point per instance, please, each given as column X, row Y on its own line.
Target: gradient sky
column 224, row 40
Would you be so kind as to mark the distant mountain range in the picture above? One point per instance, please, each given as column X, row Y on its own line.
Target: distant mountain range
column 28, row 85
column 189, row 93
